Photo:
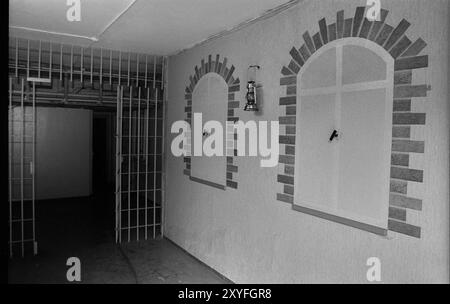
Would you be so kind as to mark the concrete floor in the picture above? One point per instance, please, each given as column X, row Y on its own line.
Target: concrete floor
column 83, row 228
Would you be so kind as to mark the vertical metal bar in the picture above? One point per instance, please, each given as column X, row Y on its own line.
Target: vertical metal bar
column 50, row 62
column 33, row 167
column 146, row 161
column 154, row 163
column 138, row 156
column 28, row 58
column 61, row 63
column 92, row 65
column 71, row 63
column 117, row 210
column 110, row 67
column 163, row 177
column 154, row 72
column 137, row 69
column 121, row 159
column 17, row 57
column 101, row 65
column 22, row 166
column 146, row 70
column 39, row 58
column 128, row 76
column 81, row 65
column 162, row 75
column 129, row 161
column 120, row 65
column 11, row 137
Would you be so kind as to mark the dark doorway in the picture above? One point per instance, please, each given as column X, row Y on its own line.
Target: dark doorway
column 68, row 226
column 102, row 157
column 99, row 158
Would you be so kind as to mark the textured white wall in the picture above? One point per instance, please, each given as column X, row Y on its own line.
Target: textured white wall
column 246, row 234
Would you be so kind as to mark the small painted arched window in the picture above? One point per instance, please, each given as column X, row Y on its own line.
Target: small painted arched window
column 343, row 138
column 210, row 98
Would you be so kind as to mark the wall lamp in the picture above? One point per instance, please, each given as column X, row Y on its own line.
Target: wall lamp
column 251, row 89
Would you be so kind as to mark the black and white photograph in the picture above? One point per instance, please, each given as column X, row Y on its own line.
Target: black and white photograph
column 204, row 143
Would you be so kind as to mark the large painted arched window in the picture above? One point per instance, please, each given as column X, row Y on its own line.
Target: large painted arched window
column 347, row 87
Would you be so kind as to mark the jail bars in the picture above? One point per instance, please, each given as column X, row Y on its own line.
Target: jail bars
column 85, row 68
column 21, row 171
column 139, row 141
column 87, row 76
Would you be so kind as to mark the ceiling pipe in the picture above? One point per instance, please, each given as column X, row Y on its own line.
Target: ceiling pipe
column 113, row 21
column 30, row 29
column 93, row 39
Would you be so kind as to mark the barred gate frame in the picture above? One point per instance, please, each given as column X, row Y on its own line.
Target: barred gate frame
column 139, row 164
column 22, row 230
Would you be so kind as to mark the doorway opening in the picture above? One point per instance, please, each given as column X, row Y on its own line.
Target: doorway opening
column 103, row 169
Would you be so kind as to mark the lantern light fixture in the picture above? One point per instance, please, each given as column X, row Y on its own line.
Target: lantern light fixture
column 251, row 89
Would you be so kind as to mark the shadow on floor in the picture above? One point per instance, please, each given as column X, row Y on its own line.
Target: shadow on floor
column 84, row 228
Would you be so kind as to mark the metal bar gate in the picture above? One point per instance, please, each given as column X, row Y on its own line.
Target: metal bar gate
column 139, row 151
column 21, row 171
column 139, row 79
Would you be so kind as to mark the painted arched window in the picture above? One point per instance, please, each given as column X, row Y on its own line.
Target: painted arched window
column 210, row 98
column 347, row 87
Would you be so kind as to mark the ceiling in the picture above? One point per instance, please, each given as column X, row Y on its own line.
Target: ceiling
column 161, row 27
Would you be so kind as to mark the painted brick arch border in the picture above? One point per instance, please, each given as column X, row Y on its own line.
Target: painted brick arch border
column 406, row 57
column 234, row 86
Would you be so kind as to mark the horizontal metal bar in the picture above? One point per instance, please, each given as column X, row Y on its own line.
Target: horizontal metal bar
column 143, row 190
column 18, row 142
column 47, row 69
column 21, row 241
column 140, row 209
column 140, row 172
column 134, row 227
column 45, row 51
column 142, row 137
column 82, row 97
column 36, row 79
column 25, row 199
column 133, row 155
column 20, row 220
